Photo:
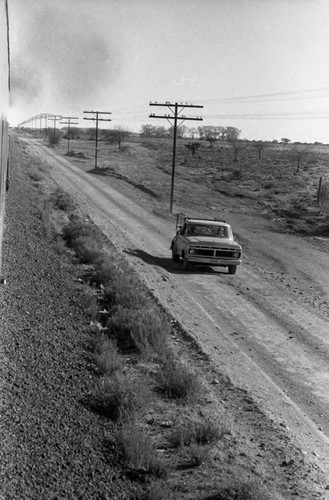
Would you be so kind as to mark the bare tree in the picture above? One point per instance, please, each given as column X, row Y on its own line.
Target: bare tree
column 299, row 152
column 193, row 146
column 232, row 136
column 118, row 135
column 260, row 146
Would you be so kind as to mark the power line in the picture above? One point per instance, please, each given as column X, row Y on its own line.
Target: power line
column 268, row 117
column 273, row 94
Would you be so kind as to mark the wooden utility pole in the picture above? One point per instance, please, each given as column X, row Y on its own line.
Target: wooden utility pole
column 173, row 118
column 96, row 118
column 69, row 123
column 45, row 116
column 54, row 118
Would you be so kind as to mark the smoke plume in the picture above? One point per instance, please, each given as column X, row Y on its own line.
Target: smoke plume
column 59, row 57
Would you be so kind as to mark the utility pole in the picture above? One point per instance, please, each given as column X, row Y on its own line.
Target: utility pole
column 54, row 118
column 176, row 110
column 45, row 116
column 40, row 122
column 96, row 118
column 69, row 123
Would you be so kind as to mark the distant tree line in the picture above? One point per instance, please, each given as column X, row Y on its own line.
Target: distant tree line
column 207, row 133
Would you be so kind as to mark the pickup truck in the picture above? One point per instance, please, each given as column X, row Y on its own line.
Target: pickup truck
column 205, row 242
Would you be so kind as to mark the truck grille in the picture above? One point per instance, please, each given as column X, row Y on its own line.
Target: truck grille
column 214, row 252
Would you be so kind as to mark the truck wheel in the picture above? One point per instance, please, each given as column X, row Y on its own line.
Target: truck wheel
column 186, row 264
column 174, row 255
column 231, row 269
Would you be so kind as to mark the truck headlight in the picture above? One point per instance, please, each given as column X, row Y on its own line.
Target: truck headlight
column 236, row 255
column 191, row 250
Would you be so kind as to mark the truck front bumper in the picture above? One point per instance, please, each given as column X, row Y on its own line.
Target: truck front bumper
column 213, row 261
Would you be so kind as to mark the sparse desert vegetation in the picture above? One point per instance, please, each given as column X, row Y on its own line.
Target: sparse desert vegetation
column 269, row 176
column 141, row 379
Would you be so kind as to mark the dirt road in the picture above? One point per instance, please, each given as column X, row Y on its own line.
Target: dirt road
column 266, row 327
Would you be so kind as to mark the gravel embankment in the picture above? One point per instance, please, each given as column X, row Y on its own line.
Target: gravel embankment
column 52, row 447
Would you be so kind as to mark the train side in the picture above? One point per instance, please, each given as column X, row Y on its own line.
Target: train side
column 4, row 105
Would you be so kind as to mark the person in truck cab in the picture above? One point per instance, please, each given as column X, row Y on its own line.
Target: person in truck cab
column 192, row 231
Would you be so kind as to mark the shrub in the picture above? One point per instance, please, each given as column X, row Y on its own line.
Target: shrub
column 236, row 175
column 176, row 380
column 54, row 139
column 87, row 249
column 35, row 175
column 85, row 239
column 137, row 451
column 77, row 228
column 63, row 200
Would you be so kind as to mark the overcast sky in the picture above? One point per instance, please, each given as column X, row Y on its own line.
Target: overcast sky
column 259, row 65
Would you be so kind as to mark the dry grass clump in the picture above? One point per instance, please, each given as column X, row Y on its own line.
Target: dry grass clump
column 137, row 451
column 107, row 357
column 44, row 213
column 176, row 381
column 124, row 290
column 90, row 303
column 106, row 271
column 143, row 330
column 85, row 239
column 191, row 432
column 116, row 397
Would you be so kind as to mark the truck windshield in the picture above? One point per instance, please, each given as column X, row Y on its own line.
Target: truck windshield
column 205, row 230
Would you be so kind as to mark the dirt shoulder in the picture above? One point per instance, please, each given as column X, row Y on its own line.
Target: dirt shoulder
column 250, row 385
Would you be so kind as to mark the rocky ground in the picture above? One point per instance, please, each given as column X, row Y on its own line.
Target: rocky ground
column 51, row 446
